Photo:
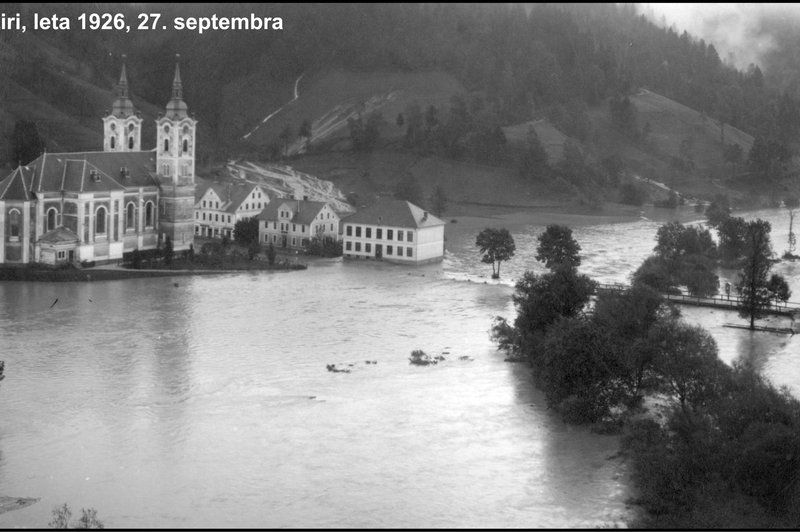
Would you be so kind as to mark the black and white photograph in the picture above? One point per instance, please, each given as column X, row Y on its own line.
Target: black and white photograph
column 399, row 265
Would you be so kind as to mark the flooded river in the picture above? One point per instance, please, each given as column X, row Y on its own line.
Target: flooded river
column 208, row 403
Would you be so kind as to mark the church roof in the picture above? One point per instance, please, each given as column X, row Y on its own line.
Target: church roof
column 394, row 213
column 93, row 171
column 17, row 185
column 59, row 235
column 304, row 212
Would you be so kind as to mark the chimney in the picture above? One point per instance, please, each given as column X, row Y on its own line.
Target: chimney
column 424, row 215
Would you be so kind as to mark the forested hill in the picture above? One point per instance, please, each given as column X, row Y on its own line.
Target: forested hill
column 509, row 64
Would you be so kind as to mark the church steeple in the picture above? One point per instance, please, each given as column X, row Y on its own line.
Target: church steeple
column 122, row 127
column 176, row 107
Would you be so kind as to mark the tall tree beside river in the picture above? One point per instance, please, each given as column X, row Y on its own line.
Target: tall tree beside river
column 752, row 287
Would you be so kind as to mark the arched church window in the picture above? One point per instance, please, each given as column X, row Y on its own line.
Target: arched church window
column 51, row 219
column 166, row 128
column 148, row 214
column 185, row 146
column 130, row 216
column 130, row 143
column 130, row 127
column 166, row 144
column 100, row 221
column 113, row 142
column 13, row 222
column 113, row 127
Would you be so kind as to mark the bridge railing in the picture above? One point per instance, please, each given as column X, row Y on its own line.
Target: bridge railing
column 725, row 302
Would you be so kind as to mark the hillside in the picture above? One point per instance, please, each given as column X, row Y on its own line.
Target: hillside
column 327, row 100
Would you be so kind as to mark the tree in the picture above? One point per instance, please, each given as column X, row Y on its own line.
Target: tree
column 62, row 514
column 686, row 361
column 245, row 231
column 496, row 245
column 27, row 143
column 778, row 288
column 718, row 210
column 558, row 248
column 438, row 201
column 753, row 292
column 791, row 203
column 408, row 189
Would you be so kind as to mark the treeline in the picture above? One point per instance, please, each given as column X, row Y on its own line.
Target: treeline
column 712, row 446
column 523, row 61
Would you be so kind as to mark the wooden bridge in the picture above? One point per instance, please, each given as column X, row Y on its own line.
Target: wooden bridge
column 790, row 309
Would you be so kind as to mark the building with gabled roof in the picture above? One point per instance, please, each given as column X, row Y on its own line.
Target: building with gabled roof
column 218, row 206
column 288, row 223
column 95, row 206
column 394, row 231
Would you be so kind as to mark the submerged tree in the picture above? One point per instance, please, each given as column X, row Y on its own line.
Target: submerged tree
column 791, row 203
column 557, row 248
column 753, row 291
column 496, row 245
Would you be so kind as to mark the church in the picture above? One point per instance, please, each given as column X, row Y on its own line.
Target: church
column 94, row 206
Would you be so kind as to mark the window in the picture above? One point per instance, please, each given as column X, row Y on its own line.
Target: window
column 100, row 221
column 275, row 225
column 216, row 205
column 130, row 141
column 130, row 128
column 165, row 169
column 294, row 241
column 399, row 236
column 303, row 228
column 266, row 238
column 408, row 252
column 358, row 246
column 378, row 233
column 113, row 142
column 229, row 218
column 13, row 222
column 185, row 146
column 274, row 239
column 349, row 230
column 389, row 234
column 51, row 219
column 166, row 145
column 368, row 231
column 204, row 216
column 61, row 255
column 204, row 204
column 294, row 227
column 388, row 250
column 368, row 247
column 196, row 215
column 410, row 236
column 148, row 214
column 130, row 213
column 348, row 245
column 358, row 231
column 331, row 227
column 216, row 217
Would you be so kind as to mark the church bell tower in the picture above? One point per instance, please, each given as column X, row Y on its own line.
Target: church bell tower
column 122, row 128
column 175, row 165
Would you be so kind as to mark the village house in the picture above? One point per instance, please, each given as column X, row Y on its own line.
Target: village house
column 95, row 206
column 395, row 231
column 220, row 205
column 292, row 224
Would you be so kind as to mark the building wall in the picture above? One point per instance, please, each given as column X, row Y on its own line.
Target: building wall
column 425, row 244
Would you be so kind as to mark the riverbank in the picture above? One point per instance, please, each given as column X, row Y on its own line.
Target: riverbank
column 114, row 272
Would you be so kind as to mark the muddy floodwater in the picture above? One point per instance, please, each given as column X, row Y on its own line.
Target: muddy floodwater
column 208, row 404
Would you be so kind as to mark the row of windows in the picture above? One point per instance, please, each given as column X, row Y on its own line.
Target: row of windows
column 185, row 145
column 114, row 142
column 348, row 246
column 379, row 233
column 101, row 213
column 210, row 219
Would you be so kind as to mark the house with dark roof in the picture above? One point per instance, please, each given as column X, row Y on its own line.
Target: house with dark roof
column 95, row 206
column 394, row 231
column 219, row 206
column 287, row 223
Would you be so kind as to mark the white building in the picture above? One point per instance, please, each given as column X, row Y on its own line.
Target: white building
column 395, row 231
column 293, row 223
column 219, row 206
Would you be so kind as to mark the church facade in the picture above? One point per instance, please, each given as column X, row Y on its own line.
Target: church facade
column 95, row 206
